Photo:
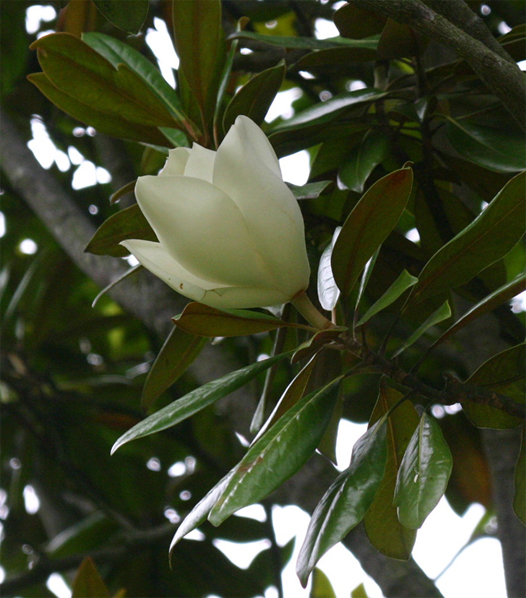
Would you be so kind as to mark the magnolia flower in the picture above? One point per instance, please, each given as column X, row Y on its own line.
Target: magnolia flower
column 230, row 231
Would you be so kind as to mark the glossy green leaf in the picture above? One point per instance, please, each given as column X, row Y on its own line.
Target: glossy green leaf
column 358, row 23
column 487, row 239
column 196, row 400
column 366, row 275
column 328, row 291
column 334, row 61
column 519, row 500
column 306, row 43
column 364, row 158
column 207, row 321
column 296, row 435
column 82, row 73
column 424, row 473
column 256, row 96
column 310, row 190
column 200, row 45
column 125, row 14
column 439, row 315
column 315, row 342
column 125, row 224
column 381, row 523
column 399, row 286
column 504, row 373
column 110, row 124
column 292, row 395
column 324, row 112
column 88, row 583
column 199, row 513
column 498, row 297
column 117, row 52
column 345, row 503
column 178, row 352
column 368, row 225
column 496, row 149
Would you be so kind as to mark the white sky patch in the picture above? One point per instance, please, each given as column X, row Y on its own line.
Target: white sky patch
column 28, row 247
column 2, row 225
column 282, row 104
column 161, row 45
column 295, row 168
column 413, row 235
column 241, row 558
column 31, row 500
column 324, row 29
column 58, row 586
column 518, row 303
column 36, row 14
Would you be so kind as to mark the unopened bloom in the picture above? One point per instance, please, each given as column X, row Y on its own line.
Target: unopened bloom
column 230, row 231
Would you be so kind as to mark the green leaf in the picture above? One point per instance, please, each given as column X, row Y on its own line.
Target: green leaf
column 368, row 225
column 82, row 73
column 199, row 513
column 324, row 112
column 125, row 224
column 399, row 286
column 487, row 239
column 345, row 503
column 328, row 291
column 292, row 395
column 117, row 52
column 496, row 149
column 110, row 124
column 306, row 43
column 321, row 585
column 498, row 297
column 310, row 190
column 207, row 321
column 381, row 523
column 424, row 473
column 366, row 275
column 199, row 40
column 296, row 436
column 364, row 158
column 176, row 355
column 88, row 583
column 505, row 374
column 439, row 315
column 125, row 14
column 195, row 401
column 256, row 96
column 519, row 500
column 358, row 23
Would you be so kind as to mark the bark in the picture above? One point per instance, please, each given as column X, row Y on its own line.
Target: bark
column 503, row 78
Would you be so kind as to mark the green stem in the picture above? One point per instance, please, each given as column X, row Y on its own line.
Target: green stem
column 304, row 305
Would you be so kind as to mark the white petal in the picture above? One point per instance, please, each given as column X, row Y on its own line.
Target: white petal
column 243, row 298
column 176, row 162
column 270, row 210
column 203, row 230
column 153, row 257
column 247, row 134
column 200, row 163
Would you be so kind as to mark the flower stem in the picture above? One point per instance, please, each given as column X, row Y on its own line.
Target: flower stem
column 304, row 305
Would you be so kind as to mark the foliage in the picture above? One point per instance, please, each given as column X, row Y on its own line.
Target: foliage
column 405, row 140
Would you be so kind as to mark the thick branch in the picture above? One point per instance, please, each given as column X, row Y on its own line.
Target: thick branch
column 502, row 77
column 461, row 15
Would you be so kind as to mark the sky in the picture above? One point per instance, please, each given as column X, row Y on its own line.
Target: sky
column 477, row 571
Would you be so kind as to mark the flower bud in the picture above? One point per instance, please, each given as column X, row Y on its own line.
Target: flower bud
column 230, row 231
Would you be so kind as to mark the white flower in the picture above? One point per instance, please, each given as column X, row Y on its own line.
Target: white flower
column 230, row 231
